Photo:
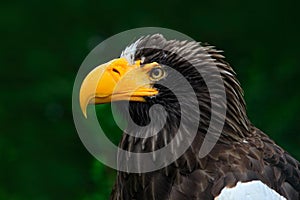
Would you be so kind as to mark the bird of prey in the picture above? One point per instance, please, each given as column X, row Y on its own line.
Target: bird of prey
column 243, row 164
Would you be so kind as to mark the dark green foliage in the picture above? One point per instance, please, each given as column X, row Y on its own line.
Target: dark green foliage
column 44, row 43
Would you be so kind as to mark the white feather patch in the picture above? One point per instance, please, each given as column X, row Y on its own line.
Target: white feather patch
column 129, row 52
column 249, row 191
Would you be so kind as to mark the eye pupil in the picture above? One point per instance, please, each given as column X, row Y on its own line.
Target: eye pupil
column 156, row 72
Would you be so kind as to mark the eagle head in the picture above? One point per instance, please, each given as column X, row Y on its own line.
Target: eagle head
column 170, row 73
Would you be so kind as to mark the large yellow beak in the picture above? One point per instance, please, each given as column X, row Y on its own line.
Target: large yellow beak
column 115, row 81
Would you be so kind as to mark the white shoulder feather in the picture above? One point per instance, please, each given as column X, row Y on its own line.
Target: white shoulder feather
column 249, row 191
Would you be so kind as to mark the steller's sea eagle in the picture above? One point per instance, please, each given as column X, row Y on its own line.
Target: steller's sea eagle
column 243, row 164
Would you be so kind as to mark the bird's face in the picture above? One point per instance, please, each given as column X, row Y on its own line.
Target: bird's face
column 120, row 80
column 145, row 74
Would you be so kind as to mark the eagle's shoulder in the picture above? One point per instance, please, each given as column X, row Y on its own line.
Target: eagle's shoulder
column 255, row 159
column 248, row 191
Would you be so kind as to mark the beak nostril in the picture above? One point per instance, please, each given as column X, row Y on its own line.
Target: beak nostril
column 116, row 71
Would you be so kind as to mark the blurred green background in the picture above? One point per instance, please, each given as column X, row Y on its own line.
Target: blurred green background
column 44, row 42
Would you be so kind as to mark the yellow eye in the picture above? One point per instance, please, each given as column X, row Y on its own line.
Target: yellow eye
column 156, row 73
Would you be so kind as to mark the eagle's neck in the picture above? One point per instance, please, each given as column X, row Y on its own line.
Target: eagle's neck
column 235, row 128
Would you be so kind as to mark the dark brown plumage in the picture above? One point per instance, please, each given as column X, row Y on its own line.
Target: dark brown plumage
column 242, row 153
